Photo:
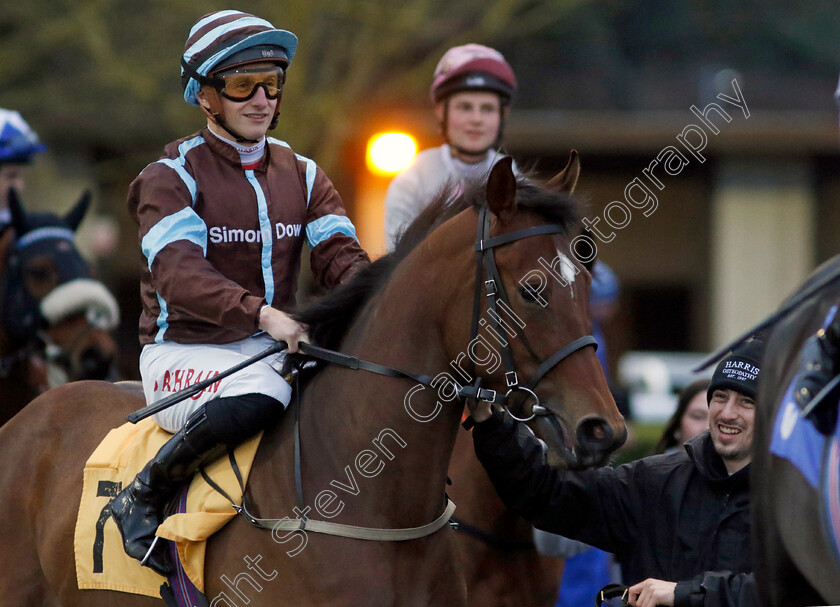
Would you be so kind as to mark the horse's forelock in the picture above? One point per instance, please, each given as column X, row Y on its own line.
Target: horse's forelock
column 35, row 221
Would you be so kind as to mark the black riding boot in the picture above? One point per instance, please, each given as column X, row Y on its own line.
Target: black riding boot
column 138, row 509
column 819, row 365
column 211, row 430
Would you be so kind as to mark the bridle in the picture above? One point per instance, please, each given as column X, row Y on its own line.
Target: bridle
column 23, row 315
column 487, row 273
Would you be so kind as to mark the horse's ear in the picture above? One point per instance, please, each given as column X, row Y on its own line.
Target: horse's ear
column 77, row 213
column 17, row 212
column 566, row 180
column 501, row 189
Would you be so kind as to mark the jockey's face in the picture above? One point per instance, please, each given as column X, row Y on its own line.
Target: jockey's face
column 250, row 118
column 731, row 424
column 11, row 176
column 472, row 123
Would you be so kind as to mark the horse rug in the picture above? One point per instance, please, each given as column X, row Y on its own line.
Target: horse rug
column 817, row 457
column 101, row 562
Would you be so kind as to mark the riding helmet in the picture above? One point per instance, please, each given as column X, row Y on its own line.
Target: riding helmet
column 473, row 67
column 225, row 39
column 18, row 142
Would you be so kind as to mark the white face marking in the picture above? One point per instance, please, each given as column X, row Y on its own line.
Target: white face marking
column 567, row 271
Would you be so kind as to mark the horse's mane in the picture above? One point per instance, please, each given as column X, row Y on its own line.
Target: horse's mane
column 330, row 317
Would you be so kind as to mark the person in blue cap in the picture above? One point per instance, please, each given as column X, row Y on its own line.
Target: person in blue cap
column 18, row 145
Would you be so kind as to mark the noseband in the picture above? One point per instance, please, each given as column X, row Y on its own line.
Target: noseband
column 487, row 273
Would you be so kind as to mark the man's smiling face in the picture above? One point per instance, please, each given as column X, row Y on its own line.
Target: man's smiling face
column 731, row 424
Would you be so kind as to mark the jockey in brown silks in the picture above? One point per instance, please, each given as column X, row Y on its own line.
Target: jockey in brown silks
column 222, row 219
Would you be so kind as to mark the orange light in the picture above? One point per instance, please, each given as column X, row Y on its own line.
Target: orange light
column 390, row 153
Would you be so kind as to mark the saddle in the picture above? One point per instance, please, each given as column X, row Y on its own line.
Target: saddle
column 101, row 562
column 815, row 455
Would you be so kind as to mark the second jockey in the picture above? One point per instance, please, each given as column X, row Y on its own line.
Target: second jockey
column 472, row 89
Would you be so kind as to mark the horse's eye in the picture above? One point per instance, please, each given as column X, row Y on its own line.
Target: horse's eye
column 39, row 274
column 531, row 293
column 40, row 278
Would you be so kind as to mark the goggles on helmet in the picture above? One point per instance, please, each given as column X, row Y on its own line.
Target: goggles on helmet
column 241, row 84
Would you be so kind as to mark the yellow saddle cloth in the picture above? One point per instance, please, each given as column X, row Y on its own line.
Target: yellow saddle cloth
column 101, row 562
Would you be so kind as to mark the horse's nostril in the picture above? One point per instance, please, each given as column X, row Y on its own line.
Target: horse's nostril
column 595, row 435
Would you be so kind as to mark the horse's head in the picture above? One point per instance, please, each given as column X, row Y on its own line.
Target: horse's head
column 528, row 298
column 48, row 297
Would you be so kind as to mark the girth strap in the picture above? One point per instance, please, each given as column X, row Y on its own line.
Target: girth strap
column 306, row 524
column 351, row 531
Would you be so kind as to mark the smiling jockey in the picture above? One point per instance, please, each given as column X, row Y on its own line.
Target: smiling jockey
column 18, row 144
column 223, row 216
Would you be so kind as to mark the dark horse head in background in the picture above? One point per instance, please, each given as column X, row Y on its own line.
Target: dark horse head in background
column 54, row 319
column 795, row 476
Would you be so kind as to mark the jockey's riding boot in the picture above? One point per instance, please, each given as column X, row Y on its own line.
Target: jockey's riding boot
column 819, row 365
column 138, row 509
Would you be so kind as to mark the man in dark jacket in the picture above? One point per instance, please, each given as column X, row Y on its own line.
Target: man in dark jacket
column 680, row 520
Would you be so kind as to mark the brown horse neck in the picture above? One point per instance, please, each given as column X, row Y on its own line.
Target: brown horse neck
column 392, row 437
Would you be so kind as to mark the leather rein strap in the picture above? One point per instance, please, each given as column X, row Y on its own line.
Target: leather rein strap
column 351, row 362
column 494, row 289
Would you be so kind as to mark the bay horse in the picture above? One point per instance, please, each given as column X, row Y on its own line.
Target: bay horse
column 54, row 319
column 502, row 566
column 796, row 560
column 382, row 444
